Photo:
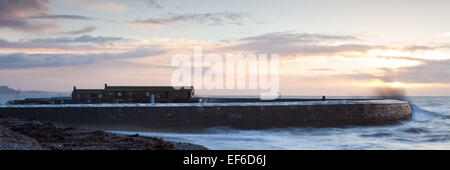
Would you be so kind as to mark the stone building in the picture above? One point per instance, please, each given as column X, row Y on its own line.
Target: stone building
column 134, row 94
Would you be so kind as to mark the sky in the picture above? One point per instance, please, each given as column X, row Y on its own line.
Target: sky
column 326, row 47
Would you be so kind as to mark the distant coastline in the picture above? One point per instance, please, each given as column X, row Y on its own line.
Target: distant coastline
column 8, row 94
column 7, row 90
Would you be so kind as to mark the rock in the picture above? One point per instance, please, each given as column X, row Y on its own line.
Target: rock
column 26, row 134
column 135, row 135
column 187, row 146
column 10, row 140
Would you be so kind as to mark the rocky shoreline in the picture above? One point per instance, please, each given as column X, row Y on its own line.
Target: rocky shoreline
column 19, row 134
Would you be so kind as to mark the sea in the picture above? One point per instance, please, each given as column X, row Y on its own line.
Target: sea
column 429, row 128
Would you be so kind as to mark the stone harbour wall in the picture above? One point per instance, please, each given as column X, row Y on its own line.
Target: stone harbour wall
column 197, row 117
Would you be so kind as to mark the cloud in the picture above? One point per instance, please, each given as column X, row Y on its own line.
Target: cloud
column 22, row 60
column 430, row 71
column 12, row 13
column 417, row 48
column 154, row 4
column 72, row 17
column 293, row 37
column 23, row 25
column 81, row 31
column 18, row 8
column 292, row 43
column 25, row 15
column 80, row 39
column 61, row 40
column 84, row 42
column 219, row 18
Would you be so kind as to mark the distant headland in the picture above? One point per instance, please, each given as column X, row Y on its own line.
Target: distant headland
column 7, row 90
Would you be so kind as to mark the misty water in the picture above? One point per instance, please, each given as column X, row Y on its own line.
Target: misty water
column 429, row 128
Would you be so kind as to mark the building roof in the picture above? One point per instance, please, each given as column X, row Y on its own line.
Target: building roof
column 146, row 88
column 89, row 91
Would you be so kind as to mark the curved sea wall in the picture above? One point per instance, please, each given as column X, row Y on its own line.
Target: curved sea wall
column 242, row 115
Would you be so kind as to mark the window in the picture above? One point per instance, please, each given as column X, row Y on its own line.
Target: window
column 147, row 94
column 119, row 94
column 78, row 96
column 130, row 93
column 93, row 96
column 100, row 96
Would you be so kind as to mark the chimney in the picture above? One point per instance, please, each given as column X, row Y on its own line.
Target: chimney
column 74, row 88
column 106, row 85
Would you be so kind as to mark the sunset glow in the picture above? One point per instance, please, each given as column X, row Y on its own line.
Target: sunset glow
column 62, row 43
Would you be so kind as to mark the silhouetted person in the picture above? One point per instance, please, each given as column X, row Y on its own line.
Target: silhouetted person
column 323, row 98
